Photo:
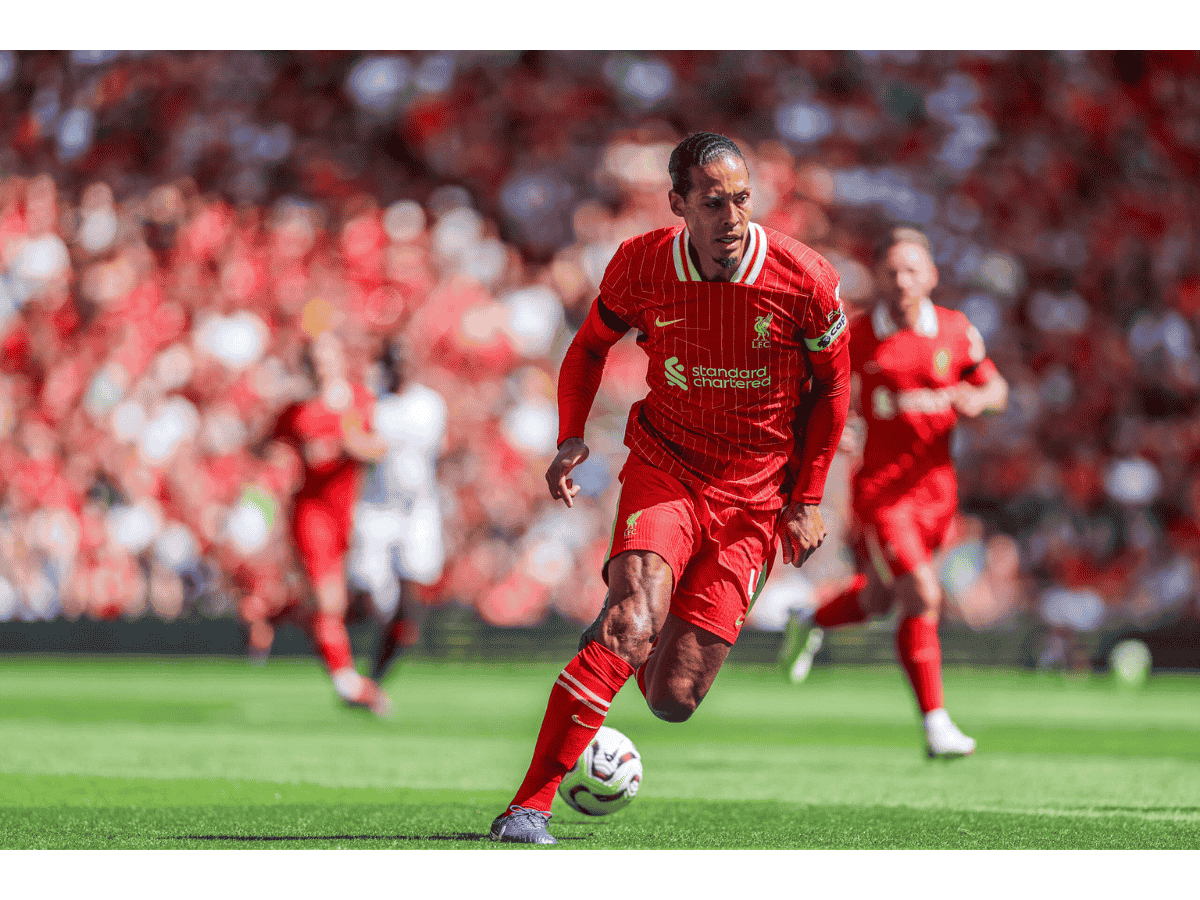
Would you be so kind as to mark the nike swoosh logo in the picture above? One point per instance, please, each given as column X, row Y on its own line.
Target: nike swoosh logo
column 579, row 721
column 660, row 323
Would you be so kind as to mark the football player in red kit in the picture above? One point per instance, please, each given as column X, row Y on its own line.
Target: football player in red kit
column 919, row 367
column 329, row 432
column 744, row 329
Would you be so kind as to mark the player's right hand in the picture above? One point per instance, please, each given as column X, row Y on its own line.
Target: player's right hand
column 572, row 452
column 801, row 530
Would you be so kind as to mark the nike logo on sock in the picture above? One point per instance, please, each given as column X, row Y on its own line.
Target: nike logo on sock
column 660, row 323
column 579, row 721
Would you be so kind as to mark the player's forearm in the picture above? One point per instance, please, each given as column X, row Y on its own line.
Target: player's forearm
column 581, row 372
column 823, row 430
column 989, row 397
column 364, row 446
column 578, row 382
column 993, row 396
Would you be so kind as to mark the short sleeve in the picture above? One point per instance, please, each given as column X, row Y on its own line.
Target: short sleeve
column 977, row 368
column 825, row 322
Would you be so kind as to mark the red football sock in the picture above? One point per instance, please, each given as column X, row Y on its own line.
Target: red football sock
column 332, row 641
column 921, row 655
column 578, row 703
column 843, row 609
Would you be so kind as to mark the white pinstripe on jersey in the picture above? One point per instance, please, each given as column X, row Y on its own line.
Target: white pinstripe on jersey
column 738, row 348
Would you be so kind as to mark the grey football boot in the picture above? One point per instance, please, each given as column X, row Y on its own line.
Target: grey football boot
column 521, row 825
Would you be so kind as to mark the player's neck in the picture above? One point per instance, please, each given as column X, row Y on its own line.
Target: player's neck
column 715, row 271
column 909, row 315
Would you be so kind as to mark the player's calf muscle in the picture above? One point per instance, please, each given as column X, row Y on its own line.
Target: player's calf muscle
column 876, row 599
column 919, row 593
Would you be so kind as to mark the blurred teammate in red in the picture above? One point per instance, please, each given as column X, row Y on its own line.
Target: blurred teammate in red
column 330, row 434
column 743, row 328
column 918, row 367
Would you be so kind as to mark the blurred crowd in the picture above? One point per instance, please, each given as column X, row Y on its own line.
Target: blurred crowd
column 169, row 222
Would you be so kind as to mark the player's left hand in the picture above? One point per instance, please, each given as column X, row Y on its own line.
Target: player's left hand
column 353, row 423
column 802, row 530
column 358, row 440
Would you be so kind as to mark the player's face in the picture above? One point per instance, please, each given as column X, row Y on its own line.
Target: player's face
column 328, row 358
column 717, row 213
column 905, row 277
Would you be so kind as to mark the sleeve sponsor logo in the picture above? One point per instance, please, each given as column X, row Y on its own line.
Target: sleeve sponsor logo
column 823, row 342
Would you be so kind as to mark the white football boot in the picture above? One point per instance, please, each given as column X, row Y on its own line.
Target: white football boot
column 943, row 740
column 802, row 638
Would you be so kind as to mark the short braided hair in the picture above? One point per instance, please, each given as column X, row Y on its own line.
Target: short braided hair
column 697, row 150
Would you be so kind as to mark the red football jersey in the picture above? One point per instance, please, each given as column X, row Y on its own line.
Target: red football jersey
column 315, row 431
column 728, row 360
column 907, row 378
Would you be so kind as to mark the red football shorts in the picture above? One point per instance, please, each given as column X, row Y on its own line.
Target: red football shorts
column 720, row 555
column 321, row 531
column 898, row 537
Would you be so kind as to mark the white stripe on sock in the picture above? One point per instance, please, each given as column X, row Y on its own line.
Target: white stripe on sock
column 582, row 699
column 583, row 687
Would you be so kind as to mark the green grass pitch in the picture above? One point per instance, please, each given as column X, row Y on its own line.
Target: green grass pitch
column 188, row 753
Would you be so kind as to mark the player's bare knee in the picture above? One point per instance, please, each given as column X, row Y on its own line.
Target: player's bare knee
column 876, row 606
column 920, row 594
column 876, row 600
column 670, row 708
column 675, row 699
column 628, row 630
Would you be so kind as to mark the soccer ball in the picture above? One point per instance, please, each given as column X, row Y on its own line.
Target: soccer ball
column 606, row 776
column 1130, row 662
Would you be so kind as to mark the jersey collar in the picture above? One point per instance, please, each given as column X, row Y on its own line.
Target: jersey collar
column 747, row 272
column 885, row 326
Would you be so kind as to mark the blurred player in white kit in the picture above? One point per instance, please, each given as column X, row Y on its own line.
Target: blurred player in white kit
column 397, row 537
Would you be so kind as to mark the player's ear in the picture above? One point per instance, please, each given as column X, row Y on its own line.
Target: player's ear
column 677, row 203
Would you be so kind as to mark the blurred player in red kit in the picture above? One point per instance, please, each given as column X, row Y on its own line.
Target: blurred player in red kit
column 330, row 434
column 918, row 367
column 743, row 328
